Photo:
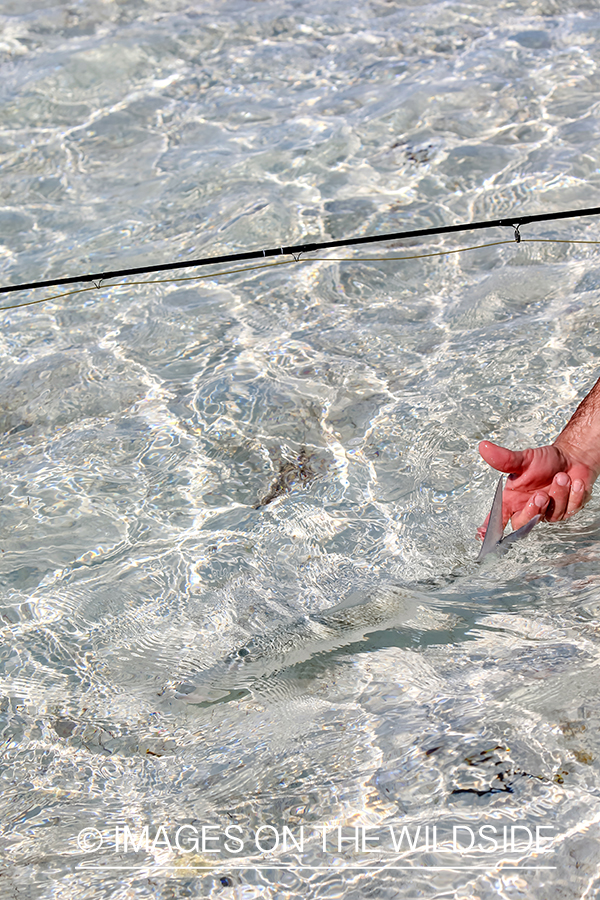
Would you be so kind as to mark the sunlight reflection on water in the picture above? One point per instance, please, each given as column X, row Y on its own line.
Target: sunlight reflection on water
column 194, row 469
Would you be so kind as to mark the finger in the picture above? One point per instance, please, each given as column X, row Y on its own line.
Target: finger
column 502, row 459
column 559, row 497
column 535, row 507
column 483, row 528
column 577, row 497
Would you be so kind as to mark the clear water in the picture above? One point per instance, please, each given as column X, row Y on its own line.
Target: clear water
column 144, row 426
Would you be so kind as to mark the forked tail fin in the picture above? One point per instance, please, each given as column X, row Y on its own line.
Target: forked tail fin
column 493, row 541
column 495, row 529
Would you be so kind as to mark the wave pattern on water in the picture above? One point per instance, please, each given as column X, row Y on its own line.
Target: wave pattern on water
column 194, row 469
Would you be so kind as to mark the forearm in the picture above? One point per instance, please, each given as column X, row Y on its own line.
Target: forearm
column 580, row 438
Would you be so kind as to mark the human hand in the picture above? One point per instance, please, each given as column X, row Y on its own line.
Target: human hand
column 547, row 481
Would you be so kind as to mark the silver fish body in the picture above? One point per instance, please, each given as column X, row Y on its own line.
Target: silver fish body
column 297, row 641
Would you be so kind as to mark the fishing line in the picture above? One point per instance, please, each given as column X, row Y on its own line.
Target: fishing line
column 514, row 222
column 287, row 262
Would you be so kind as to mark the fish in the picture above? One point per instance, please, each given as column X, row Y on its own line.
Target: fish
column 494, row 542
column 297, row 641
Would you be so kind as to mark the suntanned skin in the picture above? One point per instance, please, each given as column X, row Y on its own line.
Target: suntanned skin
column 555, row 481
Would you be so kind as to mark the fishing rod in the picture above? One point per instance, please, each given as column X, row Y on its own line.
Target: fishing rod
column 514, row 222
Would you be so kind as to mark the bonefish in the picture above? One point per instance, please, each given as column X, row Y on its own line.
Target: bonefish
column 494, row 542
column 296, row 641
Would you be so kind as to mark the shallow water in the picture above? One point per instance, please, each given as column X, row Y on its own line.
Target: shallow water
column 196, row 468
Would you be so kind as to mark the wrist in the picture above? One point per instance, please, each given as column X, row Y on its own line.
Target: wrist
column 579, row 440
column 579, row 450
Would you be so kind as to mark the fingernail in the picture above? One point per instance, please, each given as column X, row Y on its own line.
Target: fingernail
column 539, row 500
column 577, row 485
column 562, row 478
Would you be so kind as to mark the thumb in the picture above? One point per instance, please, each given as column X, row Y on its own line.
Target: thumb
column 502, row 459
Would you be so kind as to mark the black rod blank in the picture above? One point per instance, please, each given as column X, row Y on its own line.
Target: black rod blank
column 509, row 221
